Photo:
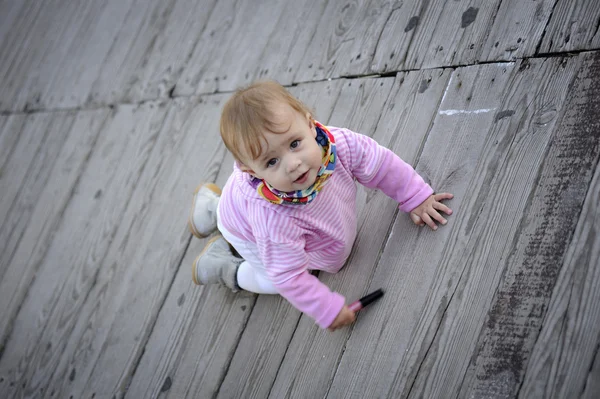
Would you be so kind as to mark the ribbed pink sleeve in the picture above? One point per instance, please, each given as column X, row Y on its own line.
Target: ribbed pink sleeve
column 283, row 253
column 375, row 166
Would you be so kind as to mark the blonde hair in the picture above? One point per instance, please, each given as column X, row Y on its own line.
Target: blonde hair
column 249, row 112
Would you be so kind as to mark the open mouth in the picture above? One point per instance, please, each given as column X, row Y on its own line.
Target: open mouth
column 302, row 178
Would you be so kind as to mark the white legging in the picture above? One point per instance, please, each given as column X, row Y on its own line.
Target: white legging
column 251, row 275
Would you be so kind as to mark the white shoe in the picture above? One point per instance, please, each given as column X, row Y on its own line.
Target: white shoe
column 216, row 264
column 202, row 221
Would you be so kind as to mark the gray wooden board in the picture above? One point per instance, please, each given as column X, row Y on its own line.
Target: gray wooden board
column 451, row 33
column 272, row 322
column 91, row 51
column 149, row 51
column 11, row 137
column 28, row 245
column 345, row 40
column 14, row 59
column 564, row 354
column 504, row 188
column 592, row 387
column 517, row 30
column 49, row 134
column 404, row 21
column 443, row 33
column 146, row 254
column 230, row 47
column 284, row 53
column 210, row 44
column 146, row 264
column 573, row 26
column 31, row 134
column 416, row 267
column 36, row 62
column 519, row 307
column 10, row 128
column 169, row 51
column 401, row 124
column 70, row 265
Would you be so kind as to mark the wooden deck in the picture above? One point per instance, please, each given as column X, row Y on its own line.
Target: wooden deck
column 109, row 119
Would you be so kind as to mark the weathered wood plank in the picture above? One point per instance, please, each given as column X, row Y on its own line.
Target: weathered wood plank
column 450, row 33
column 216, row 35
column 25, row 173
column 345, row 40
column 50, row 134
column 592, row 387
column 46, row 42
column 519, row 308
column 564, row 354
column 573, row 26
column 90, row 51
column 504, row 187
column 230, row 47
column 70, row 266
column 404, row 20
column 10, row 134
column 14, row 59
column 144, row 258
column 517, row 30
column 169, row 51
column 284, row 53
column 408, row 263
column 419, row 271
column 269, row 329
column 31, row 239
column 401, row 126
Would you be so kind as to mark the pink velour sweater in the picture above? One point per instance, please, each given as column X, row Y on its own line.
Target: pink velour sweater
column 294, row 239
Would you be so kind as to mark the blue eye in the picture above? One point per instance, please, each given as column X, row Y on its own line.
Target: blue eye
column 271, row 162
column 295, row 144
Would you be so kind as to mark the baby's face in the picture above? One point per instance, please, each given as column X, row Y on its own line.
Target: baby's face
column 291, row 158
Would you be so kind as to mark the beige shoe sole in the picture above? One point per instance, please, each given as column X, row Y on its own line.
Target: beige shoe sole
column 212, row 187
column 208, row 244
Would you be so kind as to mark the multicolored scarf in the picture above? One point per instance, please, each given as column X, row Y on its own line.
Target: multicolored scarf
column 302, row 197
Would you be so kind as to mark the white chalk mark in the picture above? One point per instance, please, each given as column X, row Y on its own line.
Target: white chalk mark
column 464, row 111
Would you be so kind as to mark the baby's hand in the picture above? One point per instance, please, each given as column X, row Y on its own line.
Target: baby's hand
column 424, row 213
column 344, row 318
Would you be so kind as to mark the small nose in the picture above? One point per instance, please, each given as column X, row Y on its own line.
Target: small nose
column 293, row 164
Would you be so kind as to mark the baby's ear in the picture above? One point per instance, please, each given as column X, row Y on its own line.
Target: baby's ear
column 246, row 169
column 311, row 121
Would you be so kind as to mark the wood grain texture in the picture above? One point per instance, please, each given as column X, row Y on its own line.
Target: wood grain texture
column 451, row 33
column 405, row 19
column 31, row 133
column 49, row 135
column 36, row 62
column 285, row 51
column 153, row 261
column 345, row 40
column 273, row 320
column 169, row 41
column 414, row 268
column 565, row 351
column 500, row 207
column 12, row 141
column 311, row 361
column 28, row 242
column 573, row 26
column 112, row 328
column 518, row 311
column 70, row 266
column 230, row 47
column 564, row 354
column 592, row 387
column 517, row 30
